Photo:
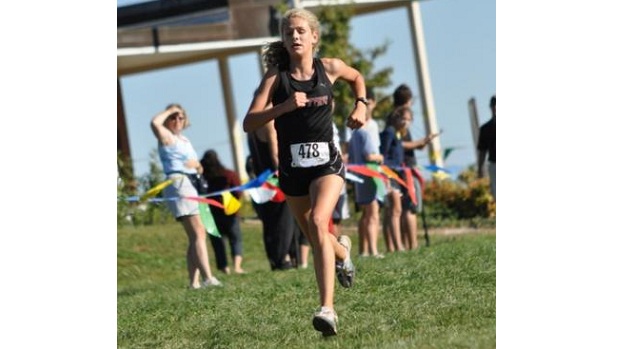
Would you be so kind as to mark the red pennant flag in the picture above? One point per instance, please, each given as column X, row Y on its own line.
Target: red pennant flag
column 205, row 201
column 279, row 196
column 364, row 170
column 418, row 175
column 410, row 186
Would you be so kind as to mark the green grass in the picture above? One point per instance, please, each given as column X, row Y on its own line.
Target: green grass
column 442, row 296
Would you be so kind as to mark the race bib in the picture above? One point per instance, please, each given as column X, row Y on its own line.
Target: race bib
column 309, row 154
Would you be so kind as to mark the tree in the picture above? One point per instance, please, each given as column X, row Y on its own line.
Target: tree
column 335, row 43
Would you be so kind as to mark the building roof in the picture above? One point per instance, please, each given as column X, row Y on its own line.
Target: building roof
column 165, row 33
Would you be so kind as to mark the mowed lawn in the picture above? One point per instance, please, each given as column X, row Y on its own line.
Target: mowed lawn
column 442, row 296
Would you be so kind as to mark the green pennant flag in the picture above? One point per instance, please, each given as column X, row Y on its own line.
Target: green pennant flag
column 207, row 219
column 274, row 181
column 447, row 152
column 380, row 195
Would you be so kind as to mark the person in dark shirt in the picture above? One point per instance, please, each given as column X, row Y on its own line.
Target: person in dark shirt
column 403, row 96
column 280, row 232
column 311, row 171
column 486, row 145
column 391, row 148
column 221, row 178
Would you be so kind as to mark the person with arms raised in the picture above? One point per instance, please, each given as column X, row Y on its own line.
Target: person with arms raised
column 180, row 162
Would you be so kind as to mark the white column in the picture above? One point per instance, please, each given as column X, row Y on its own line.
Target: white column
column 234, row 128
column 475, row 124
column 424, row 82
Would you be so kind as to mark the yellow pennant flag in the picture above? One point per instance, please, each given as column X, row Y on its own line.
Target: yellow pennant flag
column 155, row 190
column 440, row 175
column 231, row 204
column 388, row 171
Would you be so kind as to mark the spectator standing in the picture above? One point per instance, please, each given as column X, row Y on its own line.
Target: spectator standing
column 221, row 178
column 341, row 211
column 362, row 150
column 403, row 96
column 179, row 161
column 276, row 217
column 391, row 148
column 486, row 146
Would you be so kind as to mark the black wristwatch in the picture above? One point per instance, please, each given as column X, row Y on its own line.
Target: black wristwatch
column 361, row 99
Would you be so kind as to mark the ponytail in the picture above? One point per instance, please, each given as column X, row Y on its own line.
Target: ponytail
column 275, row 55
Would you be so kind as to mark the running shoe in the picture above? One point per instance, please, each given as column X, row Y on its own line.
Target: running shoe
column 345, row 270
column 212, row 282
column 325, row 321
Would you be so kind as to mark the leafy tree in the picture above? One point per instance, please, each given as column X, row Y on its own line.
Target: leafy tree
column 335, row 43
column 140, row 213
column 335, row 29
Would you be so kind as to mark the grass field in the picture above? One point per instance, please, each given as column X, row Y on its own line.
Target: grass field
column 442, row 296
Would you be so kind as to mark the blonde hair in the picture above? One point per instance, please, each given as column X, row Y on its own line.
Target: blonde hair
column 186, row 121
column 274, row 53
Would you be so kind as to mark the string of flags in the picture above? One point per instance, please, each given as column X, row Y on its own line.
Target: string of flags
column 265, row 188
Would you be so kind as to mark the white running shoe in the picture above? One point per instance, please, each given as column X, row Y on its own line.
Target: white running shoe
column 211, row 282
column 345, row 270
column 325, row 321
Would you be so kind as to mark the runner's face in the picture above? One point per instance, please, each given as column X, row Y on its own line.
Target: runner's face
column 298, row 38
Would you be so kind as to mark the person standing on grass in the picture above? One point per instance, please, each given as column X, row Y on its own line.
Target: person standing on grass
column 311, row 169
column 179, row 161
column 279, row 227
column 391, row 148
column 221, row 178
column 341, row 211
column 364, row 148
column 486, row 145
column 403, row 96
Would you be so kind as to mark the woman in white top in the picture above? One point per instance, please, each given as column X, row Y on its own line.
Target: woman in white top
column 180, row 161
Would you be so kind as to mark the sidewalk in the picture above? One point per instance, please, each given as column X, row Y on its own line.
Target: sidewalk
column 431, row 231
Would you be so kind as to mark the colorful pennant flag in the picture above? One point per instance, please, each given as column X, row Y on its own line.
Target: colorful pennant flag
column 155, row 190
column 420, row 178
column 410, row 186
column 261, row 194
column 353, row 178
column 205, row 201
column 207, row 220
column 393, row 175
column 380, row 182
column 231, row 204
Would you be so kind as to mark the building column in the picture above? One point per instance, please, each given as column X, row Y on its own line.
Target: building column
column 424, row 82
column 122, row 138
column 234, row 128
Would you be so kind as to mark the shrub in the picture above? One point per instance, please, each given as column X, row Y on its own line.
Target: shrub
column 466, row 199
column 135, row 213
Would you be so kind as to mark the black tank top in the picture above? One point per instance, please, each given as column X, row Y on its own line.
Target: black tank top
column 310, row 124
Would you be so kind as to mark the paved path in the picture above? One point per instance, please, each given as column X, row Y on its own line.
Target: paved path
column 431, row 231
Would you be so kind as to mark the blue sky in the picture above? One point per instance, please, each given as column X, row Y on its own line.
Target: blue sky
column 460, row 44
